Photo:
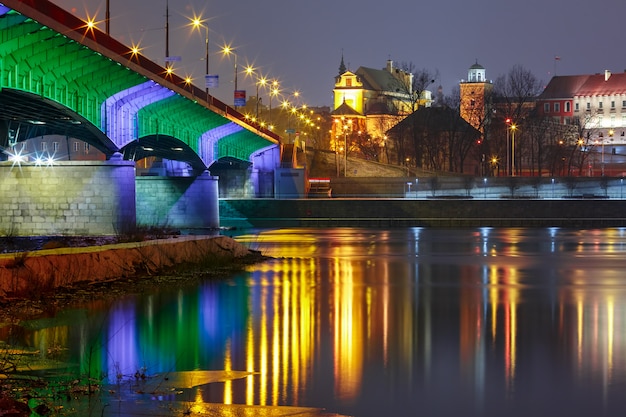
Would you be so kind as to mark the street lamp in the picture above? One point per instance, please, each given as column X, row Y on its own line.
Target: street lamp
column 228, row 51
column 513, row 129
column 273, row 93
column 611, row 137
column 346, row 126
column 262, row 82
column 197, row 24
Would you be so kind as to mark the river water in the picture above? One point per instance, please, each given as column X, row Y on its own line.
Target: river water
column 368, row 322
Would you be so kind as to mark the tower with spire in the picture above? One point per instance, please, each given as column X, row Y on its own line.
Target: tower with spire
column 342, row 66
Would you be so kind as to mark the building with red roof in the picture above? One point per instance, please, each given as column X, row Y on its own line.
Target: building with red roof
column 595, row 103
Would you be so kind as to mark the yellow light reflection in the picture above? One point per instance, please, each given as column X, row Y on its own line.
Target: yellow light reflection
column 228, row 366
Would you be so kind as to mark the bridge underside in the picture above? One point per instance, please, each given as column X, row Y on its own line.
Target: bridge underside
column 59, row 77
column 25, row 116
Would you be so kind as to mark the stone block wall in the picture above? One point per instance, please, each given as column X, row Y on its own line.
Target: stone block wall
column 180, row 202
column 67, row 198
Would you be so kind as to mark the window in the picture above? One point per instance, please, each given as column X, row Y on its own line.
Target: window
column 568, row 107
column 612, row 104
column 576, row 106
column 76, row 147
column 599, row 104
column 588, row 106
column 557, row 107
column 624, row 103
column 348, row 82
column 44, row 146
column 546, row 107
column 86, row 147
column 55, row 146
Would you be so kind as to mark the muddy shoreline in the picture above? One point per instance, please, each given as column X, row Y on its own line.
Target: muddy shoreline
column 183, row 265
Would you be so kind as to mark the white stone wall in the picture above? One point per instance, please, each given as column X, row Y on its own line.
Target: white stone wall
column 67, row 198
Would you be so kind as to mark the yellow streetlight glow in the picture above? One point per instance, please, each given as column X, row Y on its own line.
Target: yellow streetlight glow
column 228, row 51
column 198, row 23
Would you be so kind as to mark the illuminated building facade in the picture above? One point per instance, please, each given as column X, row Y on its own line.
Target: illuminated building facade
column 376, row 99
column 596, row 103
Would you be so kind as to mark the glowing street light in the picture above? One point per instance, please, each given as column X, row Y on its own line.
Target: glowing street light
column 513, row 129
column 347, row 127
column 228, row 51
column 611, row 133
column 259, row 82
column 197, row 23
column 273, row 93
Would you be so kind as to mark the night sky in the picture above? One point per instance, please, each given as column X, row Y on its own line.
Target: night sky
column 301, row 43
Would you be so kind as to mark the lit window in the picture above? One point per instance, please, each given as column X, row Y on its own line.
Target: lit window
column 348, row 82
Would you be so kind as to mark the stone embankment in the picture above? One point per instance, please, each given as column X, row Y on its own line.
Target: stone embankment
column 29, row 272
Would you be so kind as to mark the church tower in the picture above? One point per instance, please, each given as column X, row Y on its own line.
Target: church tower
column 476, row 97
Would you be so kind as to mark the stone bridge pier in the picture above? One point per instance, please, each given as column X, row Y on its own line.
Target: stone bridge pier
column 100, row 198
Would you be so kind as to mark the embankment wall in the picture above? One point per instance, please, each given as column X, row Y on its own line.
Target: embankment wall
column 335, row 212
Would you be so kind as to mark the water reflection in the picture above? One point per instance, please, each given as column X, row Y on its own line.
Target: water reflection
column 379, row 322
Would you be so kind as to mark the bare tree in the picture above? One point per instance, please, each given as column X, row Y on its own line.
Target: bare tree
column 514, row 95
column 413, row 93
column 516, row 92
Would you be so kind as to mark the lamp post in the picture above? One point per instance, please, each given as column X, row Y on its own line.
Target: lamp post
column 507, row 121
column 261, row 81
column 228, row 51
column 108, row 18
column 273, row 93
column 611, row 137
column 346, row 126
column 197, row 24
column 513, row 129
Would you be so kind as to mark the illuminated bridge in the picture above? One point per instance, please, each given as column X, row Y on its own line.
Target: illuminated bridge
column 63, row 79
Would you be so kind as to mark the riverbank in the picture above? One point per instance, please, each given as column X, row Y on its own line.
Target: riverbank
column 58, row 274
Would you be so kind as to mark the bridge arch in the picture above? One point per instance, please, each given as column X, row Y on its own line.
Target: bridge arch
column 56, row 60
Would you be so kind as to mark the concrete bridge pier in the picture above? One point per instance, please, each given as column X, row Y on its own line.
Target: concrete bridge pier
column 179, row 202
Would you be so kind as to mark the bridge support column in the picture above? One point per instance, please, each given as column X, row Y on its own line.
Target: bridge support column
column 179, row 202
column 67, row 198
